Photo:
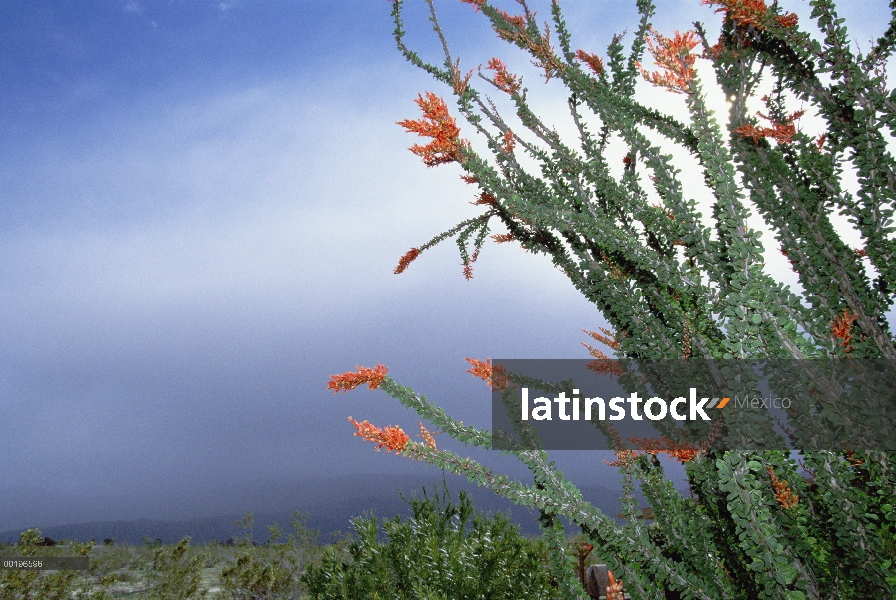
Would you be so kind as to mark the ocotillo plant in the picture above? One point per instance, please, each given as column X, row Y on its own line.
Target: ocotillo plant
column 674, row 284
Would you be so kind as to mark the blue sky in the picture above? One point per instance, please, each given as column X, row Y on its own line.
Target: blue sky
column 201, row 206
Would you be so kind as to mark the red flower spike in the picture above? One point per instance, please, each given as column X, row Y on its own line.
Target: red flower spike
column 480, row 369
column 496, row 377
column 783, row 494
column 460, row 85
column 484, row 198
column 392, row 437
column 745, row 12
column 477, row 4
column 407, row 259
column 427, row 437
column 506, row 81
column 439, row 125
column 468, row 267
column 674, row 56
column 680, row 452
column 841, row 327
column 592, row 60
column 787, row 21
column 509, row 142
column 750, row 13
column 502, row 238
column 782, row 132
column 608, row 338
column 349, row 381
column 516, row 20
column 623, row 457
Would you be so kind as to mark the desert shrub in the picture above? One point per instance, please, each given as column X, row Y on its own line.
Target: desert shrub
column 175, row 576
column 258, row 577
column 273, row 571
column 51, row 585
column 434, row 554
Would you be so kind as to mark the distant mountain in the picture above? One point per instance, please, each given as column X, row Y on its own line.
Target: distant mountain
column 329, row 503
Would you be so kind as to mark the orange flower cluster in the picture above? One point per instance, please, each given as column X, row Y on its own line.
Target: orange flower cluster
column 518, row 22
column 679, row 451
column 783, row 493
column 496, row 378
column 477, row 4
column 470, row 178
column 407, row 259
column 349, row 381
column 482, row 370
column 789, row 20
column 751, row 12
column 392, row 437
column 674, row 56
column 439, row 125
column 604, row 365
column 502, row 238
column 623, row 457
column 592, row 60
column 499, row 379
column 468, row 267
column 518, row 34
column 841, row 328
column 782, row 132
column 460, row 85
column 427, row 437
column 509, row 142
column 505, row 80
column 484, row 198
column 608, row 338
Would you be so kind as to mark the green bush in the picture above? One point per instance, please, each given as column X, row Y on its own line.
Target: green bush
column 434, row 554
column 176, row 576
column 37, row 585
column 271, row 572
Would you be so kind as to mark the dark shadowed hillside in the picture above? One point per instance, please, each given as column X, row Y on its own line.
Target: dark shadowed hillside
column 329, row 504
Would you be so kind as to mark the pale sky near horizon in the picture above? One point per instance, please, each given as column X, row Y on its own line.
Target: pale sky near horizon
column 201, row 206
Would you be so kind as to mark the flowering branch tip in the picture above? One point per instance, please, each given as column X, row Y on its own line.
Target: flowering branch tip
column 349, row 381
